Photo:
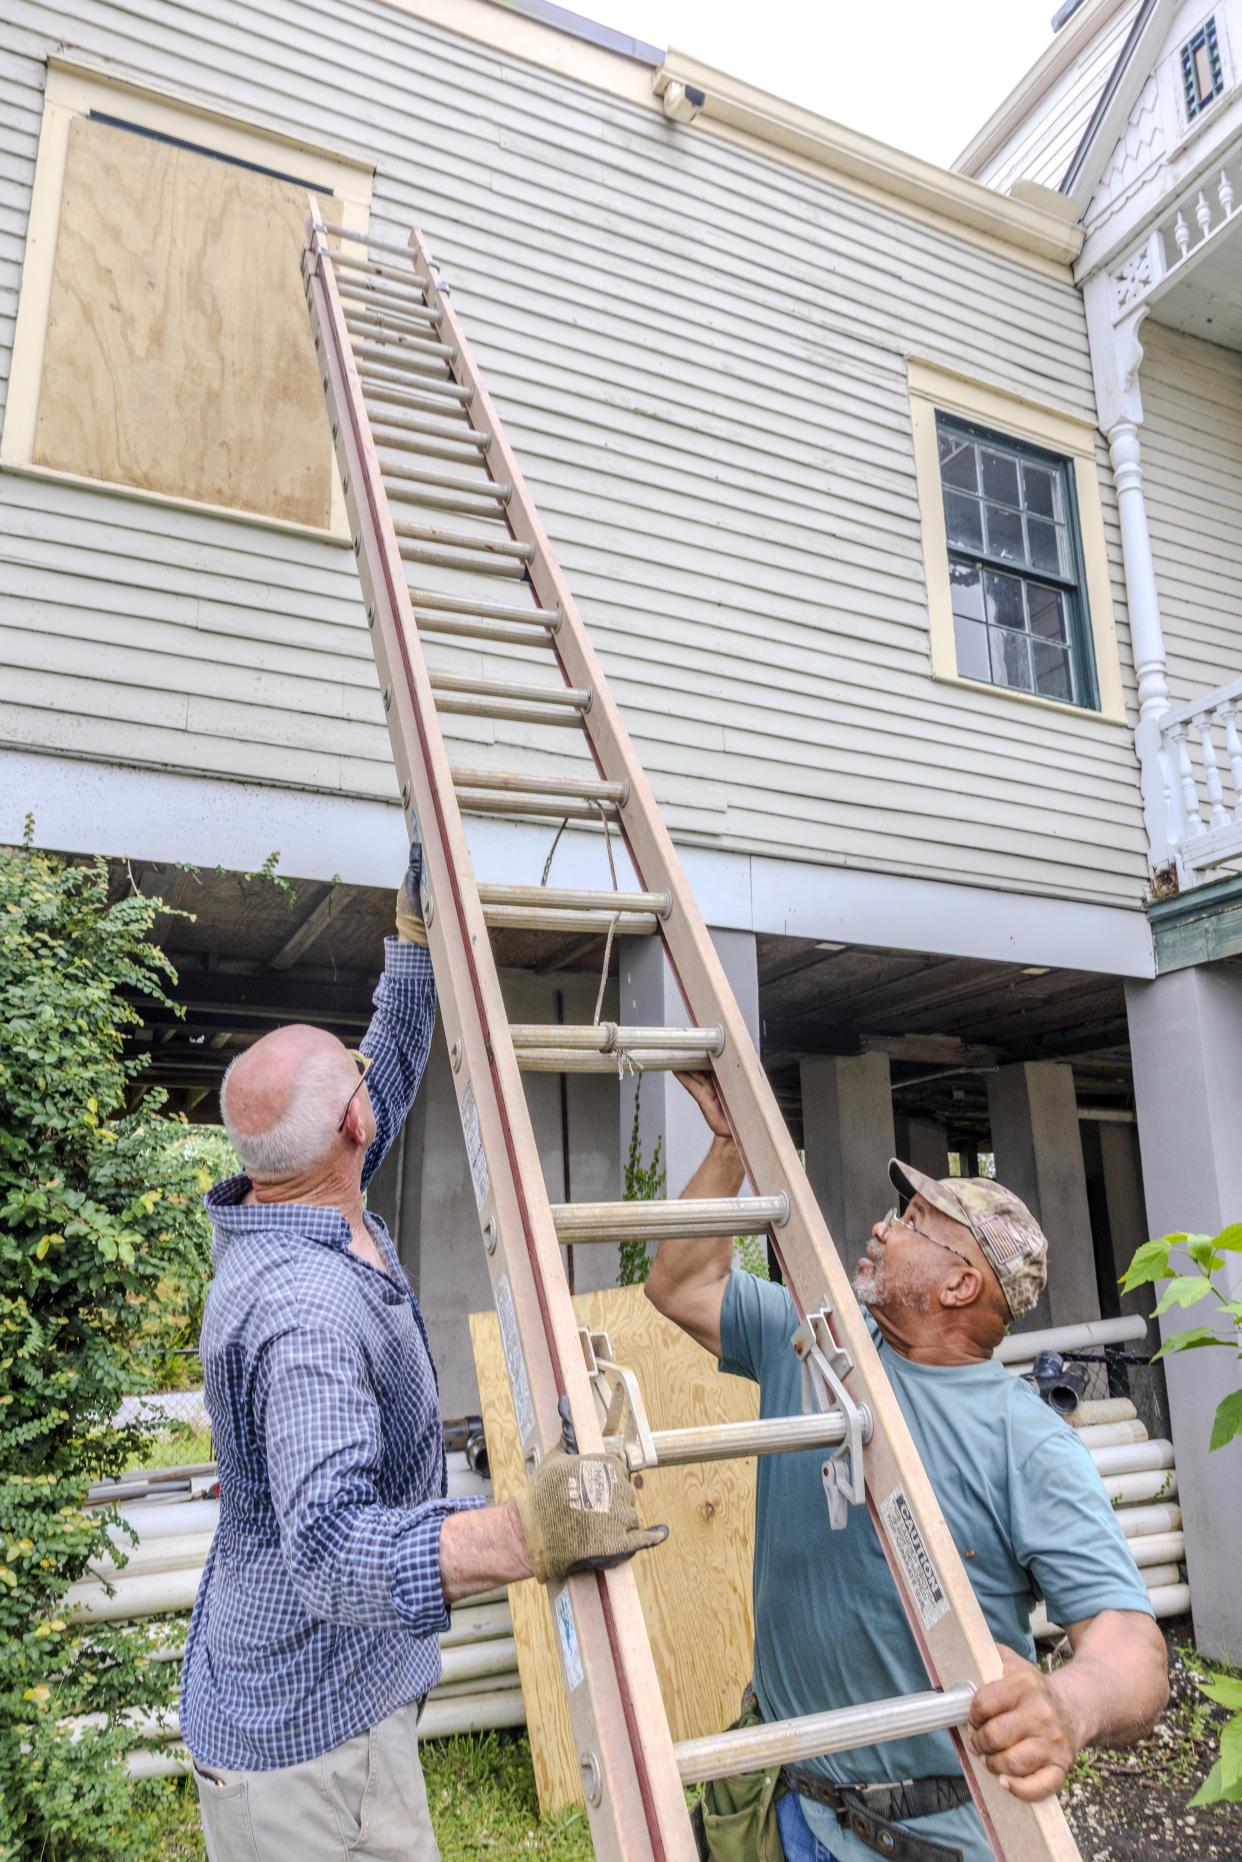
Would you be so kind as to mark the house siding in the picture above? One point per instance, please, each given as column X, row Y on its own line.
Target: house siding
column 1042, row 147
column 700, row 356
column 1192, row 478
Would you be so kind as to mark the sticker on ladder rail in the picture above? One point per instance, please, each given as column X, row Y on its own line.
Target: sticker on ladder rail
column 519, row 1383
column 474, row 1147
column 906, row 1542
column 567, row 1636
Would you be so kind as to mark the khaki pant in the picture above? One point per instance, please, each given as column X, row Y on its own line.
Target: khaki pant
column 364, row 1801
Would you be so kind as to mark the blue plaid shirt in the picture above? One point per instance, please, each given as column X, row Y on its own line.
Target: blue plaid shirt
column 321, row 1603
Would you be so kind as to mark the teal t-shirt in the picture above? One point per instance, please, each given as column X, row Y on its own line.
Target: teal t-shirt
column 1024, row 1504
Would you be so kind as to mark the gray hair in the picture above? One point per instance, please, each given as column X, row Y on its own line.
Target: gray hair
column 305, row 1132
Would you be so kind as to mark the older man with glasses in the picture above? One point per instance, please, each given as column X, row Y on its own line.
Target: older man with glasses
column 313, row 1642
column 942, row 1276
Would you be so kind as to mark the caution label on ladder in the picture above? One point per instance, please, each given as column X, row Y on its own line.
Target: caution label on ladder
column 906, row 1541
column 515, row 1363
column 474, row 1147
column 571, row 1655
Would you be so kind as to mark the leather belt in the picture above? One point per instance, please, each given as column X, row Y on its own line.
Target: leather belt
column 874, row 1812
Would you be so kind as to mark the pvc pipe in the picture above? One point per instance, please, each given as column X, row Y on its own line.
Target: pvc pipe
column 457, row 1690
column 1128, row 1489
column 1133, row 1457
column 1138, row 1521
column 477, row 1713
column 159, row 1594
column 1159, row 1548
column 481, row 1625
column 1102, row 1409
column 1109, row 1434
column 174, row 1763
column 1159, row 1577
column 479, row 1660
column 178, row 1551
column 1026, row 1346
column 158, row 1521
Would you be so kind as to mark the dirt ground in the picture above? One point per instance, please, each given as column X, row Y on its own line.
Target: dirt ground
column 1131, row 1806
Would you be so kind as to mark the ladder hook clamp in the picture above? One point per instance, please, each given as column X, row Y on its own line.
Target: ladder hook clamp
column 825, row 1365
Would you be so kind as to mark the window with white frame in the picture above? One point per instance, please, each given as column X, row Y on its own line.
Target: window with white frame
column 1016, row 579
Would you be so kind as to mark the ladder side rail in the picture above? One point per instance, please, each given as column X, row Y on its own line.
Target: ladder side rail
column 619, row 1724
column 957, row 1646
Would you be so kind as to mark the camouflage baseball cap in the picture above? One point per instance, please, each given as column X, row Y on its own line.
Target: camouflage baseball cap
column 1012, row 1241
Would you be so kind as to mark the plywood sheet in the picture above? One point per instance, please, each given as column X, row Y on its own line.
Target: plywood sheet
column 696, row 1588
column 179, row 357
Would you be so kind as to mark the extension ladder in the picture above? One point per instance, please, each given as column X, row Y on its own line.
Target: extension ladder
column 417, row 436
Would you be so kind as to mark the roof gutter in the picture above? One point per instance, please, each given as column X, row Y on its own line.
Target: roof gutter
column 754, row 114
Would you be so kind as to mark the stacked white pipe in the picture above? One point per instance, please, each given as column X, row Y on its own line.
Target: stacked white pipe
column 478, row 1689
column 1139, row 1475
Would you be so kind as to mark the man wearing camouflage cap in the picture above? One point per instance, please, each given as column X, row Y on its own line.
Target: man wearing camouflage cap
column 942, row 1277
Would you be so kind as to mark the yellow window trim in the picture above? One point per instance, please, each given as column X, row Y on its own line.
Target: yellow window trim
column 75, row 89
column 934, row 389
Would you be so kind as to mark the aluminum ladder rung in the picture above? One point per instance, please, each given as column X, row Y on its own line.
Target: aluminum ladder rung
column 371, row 318
column 555, row 695
column 407, row 381
column 511, row 802
column 613, row 1037
column 815, row 1735
column 455, row 503
column 354, row 292
column 434, row 556
column 554, row 786
column 585, row 924
column 379, row 337
column 499, row 491
column 465, row 539
column 399, row 433
column 456, row 626
column 686, row 1219
column 426, row 599
column 375, row 268
column 372, row 241
column 576, row 898
column 737, row 1441
column 386, row 362
column 393, row 406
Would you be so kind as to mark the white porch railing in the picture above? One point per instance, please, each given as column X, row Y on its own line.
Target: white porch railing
column 1197, row 763
column 1179, row 238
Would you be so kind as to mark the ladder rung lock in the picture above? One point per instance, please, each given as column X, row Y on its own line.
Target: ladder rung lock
column 501, row 802
column 576, row 898
column 464, row 540
column 588, row 924
column 560, row 695
column 611, row 1038
column 815, row 1735
column 686, row 1219
column 544, row 785
column 737, row 1441
column 621, row 1061
column 428, row 598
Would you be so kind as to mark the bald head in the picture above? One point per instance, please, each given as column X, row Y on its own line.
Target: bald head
column 282, row 1100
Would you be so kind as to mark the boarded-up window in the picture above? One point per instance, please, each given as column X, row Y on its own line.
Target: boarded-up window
column 179, row 357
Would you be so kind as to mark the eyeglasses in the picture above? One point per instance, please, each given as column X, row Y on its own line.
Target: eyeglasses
column 894, row 1219
column 363, row 1064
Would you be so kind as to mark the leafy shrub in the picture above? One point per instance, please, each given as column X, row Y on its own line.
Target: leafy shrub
column 102, row 1265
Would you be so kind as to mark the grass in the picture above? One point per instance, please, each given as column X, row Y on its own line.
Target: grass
column 174, row 1448
column 481, row 1790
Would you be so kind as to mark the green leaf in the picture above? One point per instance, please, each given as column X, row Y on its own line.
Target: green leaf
column 1225, row 1690
column 1195, row 1339
column 1202, row 1251
column 1183, row 1290
column 1231, row 1757
column 1211, row 1791
column 1151, row 1262
column 1229, row 1241
column 1228, row 1420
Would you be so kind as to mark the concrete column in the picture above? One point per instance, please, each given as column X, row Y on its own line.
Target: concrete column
column 1038, row 1153
column 1122, row 1169
column 1186, row 1043
column 927, row 1147
column 648, row 997
column 847, row 1133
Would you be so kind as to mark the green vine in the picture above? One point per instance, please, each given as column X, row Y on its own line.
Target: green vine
column 644, row 1182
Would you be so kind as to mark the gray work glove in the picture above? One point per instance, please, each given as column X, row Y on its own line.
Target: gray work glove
column 578, row 1514
column 410, row 926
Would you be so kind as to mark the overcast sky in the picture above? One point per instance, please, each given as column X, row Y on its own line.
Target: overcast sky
column 921, row 74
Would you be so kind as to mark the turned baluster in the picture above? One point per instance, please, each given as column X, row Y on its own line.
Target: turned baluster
column 1181, row 233
column 1225, row 194
column 1203, row 214
column 1186, row 776
column 1228, row 712
column 1211, row 771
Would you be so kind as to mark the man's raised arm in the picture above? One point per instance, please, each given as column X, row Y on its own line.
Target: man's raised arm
column 688, row 1278
column 398, row 1040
